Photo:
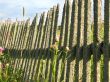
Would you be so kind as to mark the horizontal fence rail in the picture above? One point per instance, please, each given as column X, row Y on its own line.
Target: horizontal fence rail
column 76, row 51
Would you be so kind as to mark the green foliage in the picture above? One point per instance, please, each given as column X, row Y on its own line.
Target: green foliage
column 54, row 56
column 102, row 68
column 7, row 71
column 92, row 67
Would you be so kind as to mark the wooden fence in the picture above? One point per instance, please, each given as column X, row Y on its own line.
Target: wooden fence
column 86, row 44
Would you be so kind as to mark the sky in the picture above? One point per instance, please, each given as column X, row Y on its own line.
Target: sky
column 13, row 8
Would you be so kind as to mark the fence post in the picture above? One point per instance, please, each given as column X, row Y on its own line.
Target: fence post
column 96, row 39
column 106, row 40
column 87, row 33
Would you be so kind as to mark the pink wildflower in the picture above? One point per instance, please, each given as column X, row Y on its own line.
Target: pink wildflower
column 1, row 50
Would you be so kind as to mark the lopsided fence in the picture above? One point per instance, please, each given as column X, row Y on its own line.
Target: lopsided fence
column 86, row 44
